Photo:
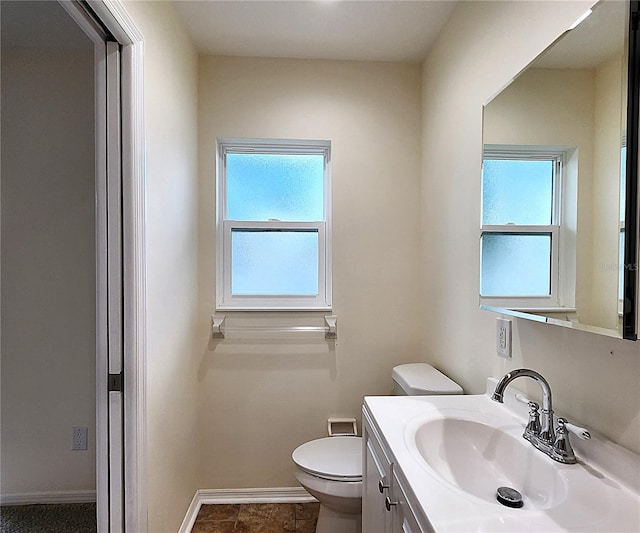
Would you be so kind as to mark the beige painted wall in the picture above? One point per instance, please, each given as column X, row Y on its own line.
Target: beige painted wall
column 259, row 399
column 48, row 270
column 594, row 379
column 608, row 127
column 170, row 64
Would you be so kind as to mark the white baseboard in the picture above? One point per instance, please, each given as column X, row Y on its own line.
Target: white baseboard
column 266, row 495
column 27, row 498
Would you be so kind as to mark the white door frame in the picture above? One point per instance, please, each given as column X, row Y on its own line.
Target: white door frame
column 112, row 15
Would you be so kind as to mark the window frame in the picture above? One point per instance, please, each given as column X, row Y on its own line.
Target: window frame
column 552, row 301
column 622, row 227
column 225, row 300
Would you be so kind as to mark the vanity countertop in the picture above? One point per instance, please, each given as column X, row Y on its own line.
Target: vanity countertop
column 588, row 496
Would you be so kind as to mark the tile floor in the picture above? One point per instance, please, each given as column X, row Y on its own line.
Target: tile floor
column 257, row 518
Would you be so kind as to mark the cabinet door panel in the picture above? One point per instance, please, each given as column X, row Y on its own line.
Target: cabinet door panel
column 403, row 519
column 375, row 517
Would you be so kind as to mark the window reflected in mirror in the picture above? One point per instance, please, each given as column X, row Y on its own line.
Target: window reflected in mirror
column 553, row 180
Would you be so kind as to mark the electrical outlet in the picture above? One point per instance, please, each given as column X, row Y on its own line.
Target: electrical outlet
column 79, row 438
column 503, row 337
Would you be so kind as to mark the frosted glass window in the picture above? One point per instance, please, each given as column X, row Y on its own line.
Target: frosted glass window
column 621, row 266
column 623, row 182
column 516, row 264
column 274, row 225
column 274, row 262
column 623, row 200
column 283, row 187
column 517, row 192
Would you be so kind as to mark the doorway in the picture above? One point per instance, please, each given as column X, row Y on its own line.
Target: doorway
column 71, row 179
column 48, row 260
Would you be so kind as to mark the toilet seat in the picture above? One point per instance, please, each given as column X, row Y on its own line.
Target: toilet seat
column 332, row 458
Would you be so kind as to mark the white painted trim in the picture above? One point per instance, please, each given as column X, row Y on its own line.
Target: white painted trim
column 258, row 495
column 114, row 16
column 31, row 498
column 86, row 22
column 102, row 291
column 135, row 283
column 115, row 282
column 192, row 513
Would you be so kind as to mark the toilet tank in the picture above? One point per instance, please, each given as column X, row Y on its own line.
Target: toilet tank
column 421, row 379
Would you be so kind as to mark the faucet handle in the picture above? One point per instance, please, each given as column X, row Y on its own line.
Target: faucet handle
column 532, row 429
column 580, row 432
column 562, row 450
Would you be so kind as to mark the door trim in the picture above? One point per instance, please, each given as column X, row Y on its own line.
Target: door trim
column 135, row 283
column 114, row 17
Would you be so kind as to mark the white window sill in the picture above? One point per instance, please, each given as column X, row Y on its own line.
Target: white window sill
column 227, row 309
column 545, row 309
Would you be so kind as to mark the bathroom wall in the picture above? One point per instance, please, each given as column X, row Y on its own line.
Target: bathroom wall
column 170, row 65
column 595, row 380
column 262, row 397
column 609, row 122
column 48, row 272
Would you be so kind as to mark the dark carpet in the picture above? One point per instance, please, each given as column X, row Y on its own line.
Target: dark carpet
column 59, row 518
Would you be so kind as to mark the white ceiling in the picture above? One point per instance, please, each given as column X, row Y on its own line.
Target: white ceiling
column 597, row 39
column 382, row 30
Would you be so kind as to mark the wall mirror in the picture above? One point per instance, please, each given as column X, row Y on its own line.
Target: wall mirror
column 559, row 181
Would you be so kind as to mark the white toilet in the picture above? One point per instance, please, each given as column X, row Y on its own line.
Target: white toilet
column 330, row 469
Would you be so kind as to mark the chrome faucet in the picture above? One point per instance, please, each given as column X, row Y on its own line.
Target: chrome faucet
column 540, row 430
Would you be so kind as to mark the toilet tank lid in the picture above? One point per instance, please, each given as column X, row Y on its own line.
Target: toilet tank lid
column 421, row 378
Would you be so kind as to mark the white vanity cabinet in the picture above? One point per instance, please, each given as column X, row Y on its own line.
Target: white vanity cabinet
column 376, row 486
column 385, row 508
column 403, row 520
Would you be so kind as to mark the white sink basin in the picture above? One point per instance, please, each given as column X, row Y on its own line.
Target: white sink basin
column 478, row 458
column 452, row 453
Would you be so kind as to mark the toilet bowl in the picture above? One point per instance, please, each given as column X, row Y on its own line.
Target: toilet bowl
column 330, row 469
